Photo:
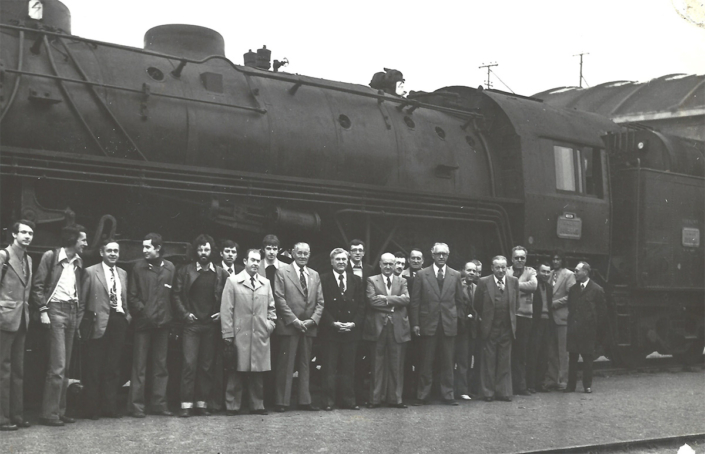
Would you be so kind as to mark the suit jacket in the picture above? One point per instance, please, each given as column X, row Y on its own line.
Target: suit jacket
column 47, row 277
column 290, row 302
column 564, row 281
column 429, row 303
column 14, row 291
column 471, row 324
column 346, row 308
column 538, row 301
column 406, row 274
column 367, row 271
column 185, row 277
column 96, row 294
column 586, row 314
column 377, row 313
column 484, row 297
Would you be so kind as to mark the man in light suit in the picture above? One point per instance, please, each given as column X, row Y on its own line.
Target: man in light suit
column 104, row 290
column 387, row 325
column 436, row 312
column 299, row 299
column 15, row 289
column 562, row 279
column 496, row 301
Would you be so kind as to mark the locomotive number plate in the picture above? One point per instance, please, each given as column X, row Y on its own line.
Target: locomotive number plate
column 690, row 237
column 569, row 226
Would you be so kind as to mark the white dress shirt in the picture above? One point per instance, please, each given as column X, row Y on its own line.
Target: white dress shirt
column 118, row 285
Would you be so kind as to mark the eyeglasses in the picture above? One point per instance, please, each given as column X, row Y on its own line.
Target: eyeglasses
column 520, row 258
column 441, row 254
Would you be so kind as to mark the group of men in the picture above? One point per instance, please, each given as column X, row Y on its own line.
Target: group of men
column 253, row 325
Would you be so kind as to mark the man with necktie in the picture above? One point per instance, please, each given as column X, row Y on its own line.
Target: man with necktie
column 341, row 329
column 228, row 252
column 562, row 279
column 105, row 293
column 436, row 313
column 299, row 299
column 56, row 293
column 387, row 325
column 586, row 313
column 496, row 304
column 15, row 287
column 411, row 363
column 362, row 270
column 467, row 332
column 537, row 362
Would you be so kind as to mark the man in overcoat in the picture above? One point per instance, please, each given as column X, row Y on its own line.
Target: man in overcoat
column 15, row 289
column 247, row 318
column 586, row 309
column 341, row 329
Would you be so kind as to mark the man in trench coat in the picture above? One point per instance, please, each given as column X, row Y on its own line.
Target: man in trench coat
column 247, row 317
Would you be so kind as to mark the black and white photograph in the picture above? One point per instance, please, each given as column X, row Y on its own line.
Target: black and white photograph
column 362, row 227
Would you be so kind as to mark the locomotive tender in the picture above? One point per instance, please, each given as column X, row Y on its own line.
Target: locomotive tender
column 176, row 138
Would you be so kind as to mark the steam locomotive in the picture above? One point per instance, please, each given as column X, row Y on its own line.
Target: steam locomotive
column 178, row 139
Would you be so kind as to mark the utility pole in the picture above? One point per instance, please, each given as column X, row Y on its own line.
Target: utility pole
column 580, row 82
column 489, row 70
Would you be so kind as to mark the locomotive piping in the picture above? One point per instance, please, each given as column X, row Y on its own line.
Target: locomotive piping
column 17, row 80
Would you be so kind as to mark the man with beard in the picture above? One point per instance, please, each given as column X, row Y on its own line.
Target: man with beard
column 197, row 293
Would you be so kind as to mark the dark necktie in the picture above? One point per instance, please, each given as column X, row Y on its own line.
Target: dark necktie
column 500, row 284
column 269, row 272
column 470, row 295
column 25, row 267
column 341, row 283
column 303, row 283
column 113, row 289
column 230, row 270
column 439, row 277
column 555, row 278
column 389, row 283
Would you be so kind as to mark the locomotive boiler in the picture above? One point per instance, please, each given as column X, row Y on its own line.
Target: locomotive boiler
column 178, row 139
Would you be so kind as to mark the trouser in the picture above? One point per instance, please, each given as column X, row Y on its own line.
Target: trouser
column 103, row 360
column 573, row 370
column 12, row 373
column 151, row 342
column 339, row 364
column 387, row 368
column 476, row 372
column 411, row 366
column 496, row 373
column 464, row 352
column 520, row 350
column 428, row 352
column 363, row 370
column 537, row 362
column 294, row 350
column 62, row 318
column 558, row 357
column 255, row 389
column 216, row 401
column 270, row 377
column 197, row 367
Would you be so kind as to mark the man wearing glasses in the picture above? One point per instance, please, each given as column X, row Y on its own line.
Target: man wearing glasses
column 525, row 313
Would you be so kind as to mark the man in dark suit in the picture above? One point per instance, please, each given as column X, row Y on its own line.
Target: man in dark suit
column 465, row 340
column 387, row 325
column 105, row 293
column 15, row 286
column 228, row 252
column 496, row 303
column 299, row 299
column 341, row 329
column 436, row 312
column 362, row 270
column 411, row 363
column 537, row 363
column 586, row 311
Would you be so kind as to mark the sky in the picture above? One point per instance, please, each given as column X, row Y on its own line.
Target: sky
column 433, row 43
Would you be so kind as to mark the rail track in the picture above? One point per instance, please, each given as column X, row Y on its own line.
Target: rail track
column 627, row 446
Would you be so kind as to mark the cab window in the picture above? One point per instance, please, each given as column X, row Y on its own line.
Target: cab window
column 578, row 170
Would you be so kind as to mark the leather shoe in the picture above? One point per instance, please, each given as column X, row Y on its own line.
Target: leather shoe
column 328, row 408
column 524, row 393
column 8, row 427
column 588, row 390
column 350, row 407
column 504, row 398
column 184, row 413
column 398, row 405
column 163, row 413
column 138, row 414
column 280, row 409
column 531, row 390
column 419, row 403
column 308, row 407
column 543, row 389
column 465, row 397
column 489, row 399
column 259, row 411
column 51, row 422
column 374, row 405
column 569, row 390
column 67, row 419
column 202, row 412
column 232, row 412
column 451, row 402
column 22, row 423
column 94, row 417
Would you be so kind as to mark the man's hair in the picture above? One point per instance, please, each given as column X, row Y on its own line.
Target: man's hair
column 400, row 255
column 467, row 263
column 229, row 244
column 498, row 257
column 104, row 243
column 70, row 234
column 201, row 240
column 519, row 248
column 357, row 243
column 156, row 240
column 16, row 225
column 339, row 250
column 301, row 243
column 586, row 267
column 546, row 264
column 270, row 240
column 415, row 249
column 477, row 262
column 387, row 254
column 439, row 245
column 247, row 256
column 560, row 254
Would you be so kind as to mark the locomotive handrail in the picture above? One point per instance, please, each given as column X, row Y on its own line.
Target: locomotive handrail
column 134, row 90
column 245, row 70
